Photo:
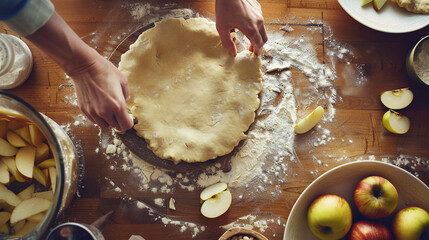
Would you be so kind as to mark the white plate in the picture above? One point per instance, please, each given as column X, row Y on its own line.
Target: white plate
column 342, row 181
column 391, row 18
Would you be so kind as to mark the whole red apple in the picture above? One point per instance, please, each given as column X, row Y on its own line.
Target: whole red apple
column 375, row 197
column 366, row 230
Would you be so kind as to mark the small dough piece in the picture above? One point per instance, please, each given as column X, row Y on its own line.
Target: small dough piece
column 192, row 100
column 415, row 6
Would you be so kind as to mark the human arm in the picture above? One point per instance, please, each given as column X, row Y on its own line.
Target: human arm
column 100, row 87
column 246, row 16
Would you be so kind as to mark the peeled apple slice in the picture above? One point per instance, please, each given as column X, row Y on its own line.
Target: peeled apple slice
column 309, row 121
column 397, row 99
column 395, row 122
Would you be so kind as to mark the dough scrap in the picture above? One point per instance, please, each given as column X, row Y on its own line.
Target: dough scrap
column 415, row 6
column 192, row 100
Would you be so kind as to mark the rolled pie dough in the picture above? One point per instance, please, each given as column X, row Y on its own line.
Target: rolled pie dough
column 192, row 100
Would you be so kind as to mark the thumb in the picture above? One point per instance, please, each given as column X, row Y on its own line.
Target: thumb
column 225, row 37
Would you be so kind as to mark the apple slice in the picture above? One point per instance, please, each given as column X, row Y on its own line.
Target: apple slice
column 26, row 193
column 42, row 152
column 48, row 195
column 15, row 139
column 40, row 176
column 25, row 162
column 53, row 177
column 15, row 124
column 6, row 149
column 309, row 121
column 5, row 229
column 47, row 163
column 3, row 128
column 365, row 2
column 36, row 217
column 35, row 135
column 378, row 4
column 26, row 228
column 24, row 133
column 8, row 196
column 395, row 122
column 29, row 208
column 4, row 173
column 216, row 200
column 397, row 99
column 4, row 217
column 11, row 165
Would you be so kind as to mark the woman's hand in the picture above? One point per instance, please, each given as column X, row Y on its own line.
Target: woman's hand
column 246, row 16
column 102, row 91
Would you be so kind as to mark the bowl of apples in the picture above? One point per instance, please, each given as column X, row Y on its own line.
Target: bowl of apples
column 361, row 200
column 38, row 170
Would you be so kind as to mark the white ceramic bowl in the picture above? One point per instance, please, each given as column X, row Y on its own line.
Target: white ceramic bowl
column 342, row 180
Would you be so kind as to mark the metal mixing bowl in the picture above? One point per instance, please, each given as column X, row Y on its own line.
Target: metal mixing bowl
column 411, row 60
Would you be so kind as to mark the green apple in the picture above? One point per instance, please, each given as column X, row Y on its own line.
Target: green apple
column 309, row 121
column 395, row 122
column 375, row 197
column 378, row 4
column 216, row 200
column 397, row 99
column 365, row 2
column 329, row 217
column 411, row 223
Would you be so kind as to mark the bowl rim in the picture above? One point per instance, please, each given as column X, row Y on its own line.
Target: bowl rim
column 410, row 67
column 42, row 229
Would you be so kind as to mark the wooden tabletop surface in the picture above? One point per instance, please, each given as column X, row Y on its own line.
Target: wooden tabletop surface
column 377, row 64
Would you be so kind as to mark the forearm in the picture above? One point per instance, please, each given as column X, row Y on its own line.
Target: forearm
column 63, row 45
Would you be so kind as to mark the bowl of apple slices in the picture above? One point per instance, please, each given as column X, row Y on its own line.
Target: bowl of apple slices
column 361, row 198
column 38, row 170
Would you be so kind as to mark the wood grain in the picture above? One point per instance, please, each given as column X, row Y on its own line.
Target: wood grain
column 357, row 129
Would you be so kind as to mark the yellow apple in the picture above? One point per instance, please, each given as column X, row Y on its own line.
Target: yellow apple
column 4, row 173
column 309, row 121
column 397, row 99
column 36, row 135
column 411, row 223
column 29, row 208
column 47, row 163
column 25, row 162
column 26, row 193
column 8, row 196
column 216, row 200
column 329, row 217
column 6, row 149
column 11, row 165
column 395, row 122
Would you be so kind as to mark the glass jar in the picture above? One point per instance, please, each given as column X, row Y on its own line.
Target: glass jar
column 63, row 151
column 16, row 61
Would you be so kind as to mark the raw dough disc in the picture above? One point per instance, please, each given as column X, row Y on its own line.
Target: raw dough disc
column 192, row 100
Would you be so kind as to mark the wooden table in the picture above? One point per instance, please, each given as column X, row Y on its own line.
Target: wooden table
column 380, row 57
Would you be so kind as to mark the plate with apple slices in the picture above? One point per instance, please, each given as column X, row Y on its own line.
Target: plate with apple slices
column 342, row 181
column 390, row 18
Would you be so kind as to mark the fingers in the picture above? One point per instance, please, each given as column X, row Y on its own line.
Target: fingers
column 225, row 37
column 257, row 37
